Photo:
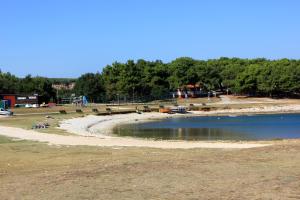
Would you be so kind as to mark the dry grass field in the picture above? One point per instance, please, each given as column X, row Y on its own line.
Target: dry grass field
column 56, row 109
column 30, row 170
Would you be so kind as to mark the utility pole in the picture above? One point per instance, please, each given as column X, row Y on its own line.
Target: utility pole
column 118, row 101
column 56, row 96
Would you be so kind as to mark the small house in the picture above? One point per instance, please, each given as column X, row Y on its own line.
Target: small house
column 190, row 90
column 19, row 100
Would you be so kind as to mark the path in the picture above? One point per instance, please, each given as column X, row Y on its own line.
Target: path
column 225, row 100
column 228, row 99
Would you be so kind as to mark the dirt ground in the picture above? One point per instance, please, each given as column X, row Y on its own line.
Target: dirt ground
column 30, row 170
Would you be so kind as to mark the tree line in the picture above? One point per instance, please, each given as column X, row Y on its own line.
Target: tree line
column 10, row 84
column 155, row 79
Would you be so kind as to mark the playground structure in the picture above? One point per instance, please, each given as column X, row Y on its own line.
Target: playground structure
column 79, row 101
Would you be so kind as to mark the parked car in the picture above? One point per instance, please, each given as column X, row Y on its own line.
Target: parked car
column 43, row 105
column 5, row 112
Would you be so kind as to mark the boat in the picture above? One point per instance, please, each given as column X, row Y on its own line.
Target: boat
column 179, row 109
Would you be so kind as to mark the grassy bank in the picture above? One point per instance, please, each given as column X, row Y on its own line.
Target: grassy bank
column 30, row 170
column 26, row 122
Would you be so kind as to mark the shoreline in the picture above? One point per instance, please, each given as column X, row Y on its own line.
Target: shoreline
column 117, row 142
column 96, row 130
column 102, row 126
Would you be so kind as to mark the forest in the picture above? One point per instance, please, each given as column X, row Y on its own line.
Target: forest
column 149, row 80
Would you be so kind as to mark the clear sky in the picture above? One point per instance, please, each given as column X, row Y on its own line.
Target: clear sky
column 65, row 38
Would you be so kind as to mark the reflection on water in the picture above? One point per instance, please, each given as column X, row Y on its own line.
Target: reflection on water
column 217, row 128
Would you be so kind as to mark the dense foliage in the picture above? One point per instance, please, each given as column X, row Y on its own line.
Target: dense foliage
column 257, row 77
column 90, row 85
column 10, row 84
column 154, row 80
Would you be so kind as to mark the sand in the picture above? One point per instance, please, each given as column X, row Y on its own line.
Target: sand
column 101, row 126
column 257, row 109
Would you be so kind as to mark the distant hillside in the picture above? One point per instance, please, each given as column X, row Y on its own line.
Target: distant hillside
column 62, row 80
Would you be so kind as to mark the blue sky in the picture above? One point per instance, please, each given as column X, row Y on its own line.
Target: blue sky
column 65, row 38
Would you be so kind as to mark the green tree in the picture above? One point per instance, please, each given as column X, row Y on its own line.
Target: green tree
column 182, row 72
column 90, row 85
column 8, row 83
column 37, row 85
column 246, row 82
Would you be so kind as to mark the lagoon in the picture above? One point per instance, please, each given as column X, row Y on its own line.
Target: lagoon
column 256, row 127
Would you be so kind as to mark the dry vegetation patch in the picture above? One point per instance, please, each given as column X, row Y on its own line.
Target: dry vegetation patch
column 31, row 170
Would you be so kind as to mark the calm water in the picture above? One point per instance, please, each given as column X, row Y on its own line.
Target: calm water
column 257, row 127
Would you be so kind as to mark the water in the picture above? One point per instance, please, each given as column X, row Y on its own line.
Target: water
column 257, row 127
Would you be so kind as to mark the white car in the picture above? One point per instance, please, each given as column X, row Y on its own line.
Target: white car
column 5, row 112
